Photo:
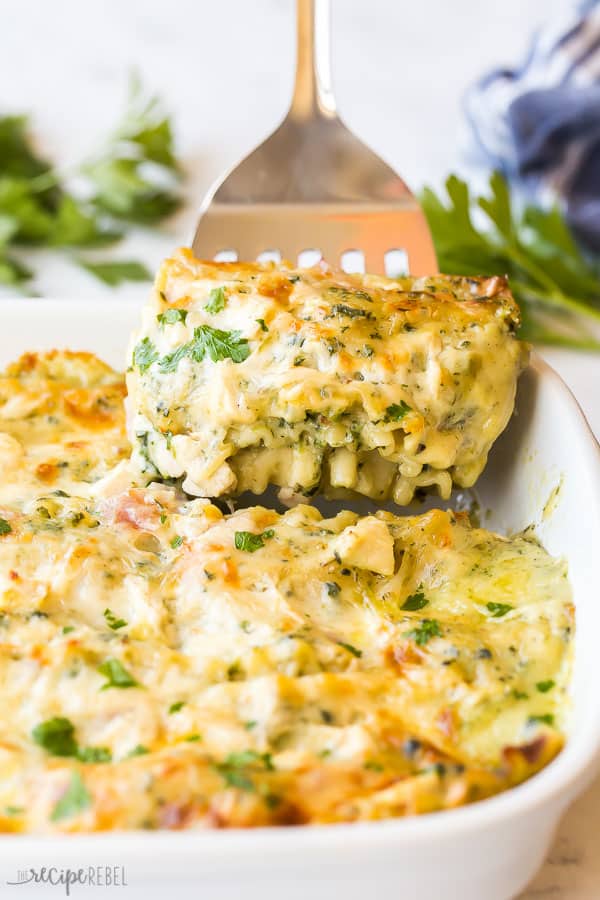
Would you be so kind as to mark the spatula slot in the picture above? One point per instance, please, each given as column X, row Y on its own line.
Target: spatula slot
column 353, row 261
column 269, row 256
column 309, row 257
column 396, row 262
column 226, row 256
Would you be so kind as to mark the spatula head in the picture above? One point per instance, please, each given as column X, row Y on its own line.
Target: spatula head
column 312, row 185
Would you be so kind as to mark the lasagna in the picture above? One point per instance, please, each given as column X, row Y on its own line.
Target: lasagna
column 164, row 664
column 245, row 375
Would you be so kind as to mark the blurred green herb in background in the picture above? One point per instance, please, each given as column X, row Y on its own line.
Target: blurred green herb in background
column 132, row 180
column 557, row 288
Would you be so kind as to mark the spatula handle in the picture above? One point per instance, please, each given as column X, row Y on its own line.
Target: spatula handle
column 313, row 92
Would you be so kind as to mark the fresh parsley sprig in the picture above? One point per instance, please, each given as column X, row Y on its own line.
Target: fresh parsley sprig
column 132, row 180
column 556, row 286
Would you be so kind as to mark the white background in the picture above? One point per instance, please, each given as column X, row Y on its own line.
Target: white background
column 224, row 69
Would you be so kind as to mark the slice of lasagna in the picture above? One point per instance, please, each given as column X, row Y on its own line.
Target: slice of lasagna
column 245, row 375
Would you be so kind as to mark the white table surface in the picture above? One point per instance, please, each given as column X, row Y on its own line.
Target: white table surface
column 224, row 68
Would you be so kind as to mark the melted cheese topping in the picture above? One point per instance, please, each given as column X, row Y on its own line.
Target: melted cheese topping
column 244, row 375
column 163, row 665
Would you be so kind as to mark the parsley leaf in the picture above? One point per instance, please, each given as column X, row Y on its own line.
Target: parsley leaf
column 498, row 610
column 415, row 601
column 133, row 179
column 545, row 686
column 170, row 362
column 544, row 719
column 263, row 324
column 14, row 810
column 353, row 650
column 117, row 676
column 75, row 224
column 176, row 542
column 428, row 629
column 112, row 621
column 94, row 754
column 554, row 283
column 122, row 181
column 172, row 316
column 397, row 411
column 218, row 344
column 144, row 354
column 16, row 153
column 76, row 799
column 352, row 312
column 57, row 736
column 175, row 707
column 138, row 750
column 5, row 527
column 216, row 300
column 249, row 542
column 114, row 273
column 237, row 768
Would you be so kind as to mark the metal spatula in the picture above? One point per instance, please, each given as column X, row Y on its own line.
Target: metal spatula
column 312, row 189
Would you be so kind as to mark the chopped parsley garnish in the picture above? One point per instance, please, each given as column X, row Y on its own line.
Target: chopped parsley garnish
column 192, row 738
column 170, row 362
column 216, row 300
column 346, row 294
column 57, row 736
column 373, row 766
column 246, row 540
column 250, row 724
column 545, row 686
column 117, row 676
column 237, row 767
column 415, row 601
column 14, row 810
column 176, row 542
column 172, row 316
column 497, row 610
column 263, row 324
column 545, row 719
column 138, row 750
column 353, row 650
column 112, row 621
column 67, row 629
column 175, row 707
column 397, row 411
column 428, row 629
column 76, row 799
column 520, row 695
column 94, row 754
column 144, row 354
column 218, row 344
column 5, row 527
column 352, row 312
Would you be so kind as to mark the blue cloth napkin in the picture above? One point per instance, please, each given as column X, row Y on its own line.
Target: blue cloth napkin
column 539, row 123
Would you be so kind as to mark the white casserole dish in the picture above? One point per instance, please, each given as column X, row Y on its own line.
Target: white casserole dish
column 487, row 851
